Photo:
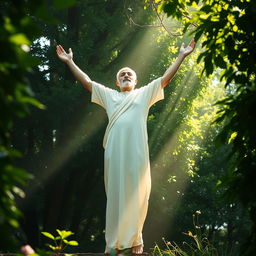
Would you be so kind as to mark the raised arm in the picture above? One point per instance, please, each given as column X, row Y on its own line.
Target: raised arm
column 76, row 71
column 171, row 71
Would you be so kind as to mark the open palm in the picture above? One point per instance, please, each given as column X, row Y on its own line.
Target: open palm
column 187, row 50
column 63, row 55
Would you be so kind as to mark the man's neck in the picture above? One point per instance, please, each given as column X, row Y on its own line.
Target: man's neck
column 126, row 89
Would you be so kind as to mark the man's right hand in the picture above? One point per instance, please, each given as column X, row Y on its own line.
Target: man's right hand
column 63, row 56
column 79, row 75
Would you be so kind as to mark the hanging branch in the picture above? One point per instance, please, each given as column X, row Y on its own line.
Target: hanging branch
column 160, row 19
column 160, row 25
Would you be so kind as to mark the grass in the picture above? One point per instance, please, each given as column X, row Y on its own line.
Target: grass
column 199, row 246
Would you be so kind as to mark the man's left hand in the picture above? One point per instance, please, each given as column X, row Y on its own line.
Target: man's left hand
column 186, row 51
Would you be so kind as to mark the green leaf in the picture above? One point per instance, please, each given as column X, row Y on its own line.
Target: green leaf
column 33, row 101
column 14, row 223
column 64, row 234
column 232, row 137
column 220, row 62
column 200, row 56
column 48, row 235
column 19, row 39
column 73, row 243
column 52, row 247
column 208, row 65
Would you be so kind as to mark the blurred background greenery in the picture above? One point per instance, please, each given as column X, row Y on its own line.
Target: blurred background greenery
column 51, row 155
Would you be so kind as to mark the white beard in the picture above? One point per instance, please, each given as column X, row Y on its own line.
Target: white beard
column 126, row 84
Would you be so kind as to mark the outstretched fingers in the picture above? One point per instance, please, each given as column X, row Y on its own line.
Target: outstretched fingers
column 60, row 49
column 192, row 43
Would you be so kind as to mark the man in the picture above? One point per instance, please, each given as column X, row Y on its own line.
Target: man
column 126, row 158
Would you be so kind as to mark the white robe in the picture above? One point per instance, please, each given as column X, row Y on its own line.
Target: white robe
column 126, row 162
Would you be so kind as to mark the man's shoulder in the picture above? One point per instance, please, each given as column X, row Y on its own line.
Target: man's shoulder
column 99, row 86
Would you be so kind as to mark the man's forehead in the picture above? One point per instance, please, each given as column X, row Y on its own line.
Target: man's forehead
column 126, row 70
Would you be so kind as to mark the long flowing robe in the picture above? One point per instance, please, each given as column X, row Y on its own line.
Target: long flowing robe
column 126, row 160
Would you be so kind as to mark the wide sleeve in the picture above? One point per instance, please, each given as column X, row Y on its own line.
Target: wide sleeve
column 101, row 94
column 153, row 92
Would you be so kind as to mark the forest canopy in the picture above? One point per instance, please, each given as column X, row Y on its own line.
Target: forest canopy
column 201, row 137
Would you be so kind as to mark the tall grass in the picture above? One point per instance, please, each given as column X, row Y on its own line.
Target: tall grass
column 199, row 245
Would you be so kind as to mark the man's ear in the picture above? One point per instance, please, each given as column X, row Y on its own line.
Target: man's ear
column 136, row 81
column 117, row 83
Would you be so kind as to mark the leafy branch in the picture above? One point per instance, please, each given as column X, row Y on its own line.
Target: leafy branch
column 60, row 241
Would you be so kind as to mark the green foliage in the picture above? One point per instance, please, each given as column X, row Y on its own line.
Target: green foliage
column 228, row 42
column 200, row 245
column 189, row 166
column 60, row 241
column 62, row 145
column 18, row 30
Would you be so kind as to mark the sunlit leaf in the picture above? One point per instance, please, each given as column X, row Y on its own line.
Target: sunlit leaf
column 48, row 235
column 13, row 222
column 235, row 28
column 194, row 4
column 52, row 247
column 204, row 16
column 64, row 234
column 19, row 39
column 219, row 182
column 18, row 191
column 190, row 233
column 231, row 19
column 232, row 137
column 72, row 242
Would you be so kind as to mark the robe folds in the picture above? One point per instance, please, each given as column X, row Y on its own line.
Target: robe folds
column 126, row 160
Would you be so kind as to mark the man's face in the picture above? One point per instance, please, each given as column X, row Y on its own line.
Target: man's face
column 126, row 79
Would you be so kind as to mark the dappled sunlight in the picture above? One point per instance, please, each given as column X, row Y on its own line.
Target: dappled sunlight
column 139, row 58
column 174, row 166
column 94, row 118
column 64, row 150
column 201, row 147
column 175, row 101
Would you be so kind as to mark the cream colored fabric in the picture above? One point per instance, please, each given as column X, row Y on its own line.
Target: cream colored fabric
column 122, row 107
column 126, row 161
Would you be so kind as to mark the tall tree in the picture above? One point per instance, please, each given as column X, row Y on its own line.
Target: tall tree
column 228, row 41
column 18, row 30
column 65, row 154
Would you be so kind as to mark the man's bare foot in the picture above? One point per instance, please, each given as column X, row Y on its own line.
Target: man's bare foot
column 138, row 249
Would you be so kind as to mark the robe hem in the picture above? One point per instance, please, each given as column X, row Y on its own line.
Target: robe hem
column 123, row 247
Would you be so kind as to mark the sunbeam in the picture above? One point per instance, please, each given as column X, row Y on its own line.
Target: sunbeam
column 193, row 129
column 94, row 118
